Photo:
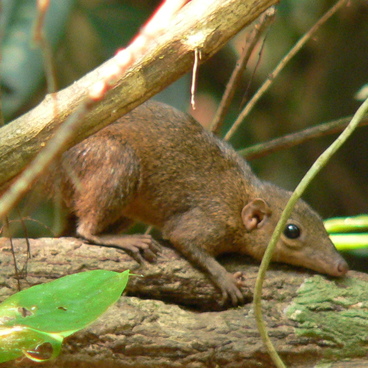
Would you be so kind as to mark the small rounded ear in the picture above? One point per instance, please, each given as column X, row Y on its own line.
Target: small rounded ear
column 255, row 213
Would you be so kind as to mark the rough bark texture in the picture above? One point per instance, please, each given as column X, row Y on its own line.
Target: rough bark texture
column 310, row 317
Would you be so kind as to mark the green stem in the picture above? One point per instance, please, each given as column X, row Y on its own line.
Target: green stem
column 312, row 172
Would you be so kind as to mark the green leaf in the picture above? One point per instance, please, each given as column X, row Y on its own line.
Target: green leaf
column 17, row 340
column 49, row 312
column 348, row 233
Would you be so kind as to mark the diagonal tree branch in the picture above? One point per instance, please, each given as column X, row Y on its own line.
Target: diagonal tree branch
column 293, row 139
column 197, row 27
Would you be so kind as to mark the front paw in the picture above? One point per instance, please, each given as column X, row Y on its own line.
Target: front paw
column 230, row 286
column 239, row 278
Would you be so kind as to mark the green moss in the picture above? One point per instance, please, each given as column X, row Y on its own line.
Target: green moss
column 335, row 314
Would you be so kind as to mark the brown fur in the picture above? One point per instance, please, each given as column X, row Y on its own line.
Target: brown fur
column 159, row 166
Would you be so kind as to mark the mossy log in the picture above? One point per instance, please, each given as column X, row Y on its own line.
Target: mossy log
column 173, row 317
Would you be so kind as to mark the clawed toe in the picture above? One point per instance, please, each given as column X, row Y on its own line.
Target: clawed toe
column 239, row 278
column 230, row 287
column 142, row 248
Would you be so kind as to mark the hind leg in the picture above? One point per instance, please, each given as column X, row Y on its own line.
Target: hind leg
column 106, row 176
column 139, row 246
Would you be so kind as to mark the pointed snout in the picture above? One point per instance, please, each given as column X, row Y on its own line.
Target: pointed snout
column 340, row 269
column 332, row 265
column 329, row 263
column 337, row 268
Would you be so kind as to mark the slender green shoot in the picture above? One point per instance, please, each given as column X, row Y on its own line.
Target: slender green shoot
column 312, row 172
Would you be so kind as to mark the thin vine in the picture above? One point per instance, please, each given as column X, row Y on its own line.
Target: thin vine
column 309, row 176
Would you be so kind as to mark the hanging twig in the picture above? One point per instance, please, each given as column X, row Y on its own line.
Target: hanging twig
column 7, row 234
column 40, row 39
column 25, row 230
column 193, row 88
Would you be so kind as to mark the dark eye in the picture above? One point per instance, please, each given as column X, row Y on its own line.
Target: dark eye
column 292, row 231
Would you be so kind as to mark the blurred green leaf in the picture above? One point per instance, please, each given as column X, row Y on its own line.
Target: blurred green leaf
column 117, row 23
column 348, row 233
column 22, row 67
column 17, row 340
column 346, row 224
column 350, row 241
column 49, row 312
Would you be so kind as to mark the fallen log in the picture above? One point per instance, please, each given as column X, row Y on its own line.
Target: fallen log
column 173, row 317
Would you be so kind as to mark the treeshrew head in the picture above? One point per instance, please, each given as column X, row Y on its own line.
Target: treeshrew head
column 304, row 241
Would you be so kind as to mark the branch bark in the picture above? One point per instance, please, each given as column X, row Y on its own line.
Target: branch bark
column 309, row 317
column 199, row 26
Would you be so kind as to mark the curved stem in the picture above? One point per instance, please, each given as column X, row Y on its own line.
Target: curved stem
column 309, row 176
